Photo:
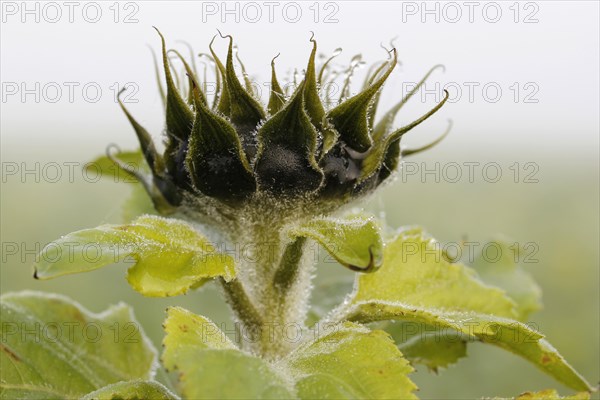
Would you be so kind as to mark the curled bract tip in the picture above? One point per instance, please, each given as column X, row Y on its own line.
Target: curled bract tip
column 112, row 149
column 274, row 58
column 124, row 88
column 438, row 66
column 225, row 36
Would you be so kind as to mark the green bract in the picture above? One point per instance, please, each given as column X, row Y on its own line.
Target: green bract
column 236, row 152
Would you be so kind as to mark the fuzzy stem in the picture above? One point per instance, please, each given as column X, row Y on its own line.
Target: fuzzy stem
column 287, row 273
column 283, row 302
column 267, row 296
column 241, row 305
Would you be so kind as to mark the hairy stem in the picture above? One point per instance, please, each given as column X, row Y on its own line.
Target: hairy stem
column 269, row 295
column 241, row 305
column 288, row 270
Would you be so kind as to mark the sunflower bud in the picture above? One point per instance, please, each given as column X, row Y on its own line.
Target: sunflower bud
column 233, row 151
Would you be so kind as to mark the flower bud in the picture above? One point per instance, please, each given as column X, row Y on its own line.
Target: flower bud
column 235, row 152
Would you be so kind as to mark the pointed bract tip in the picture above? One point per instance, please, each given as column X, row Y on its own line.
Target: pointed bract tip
column 159, row 33
column 211, row 42
column 411, row 151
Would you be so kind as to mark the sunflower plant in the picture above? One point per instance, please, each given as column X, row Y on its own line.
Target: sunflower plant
column 278, row 180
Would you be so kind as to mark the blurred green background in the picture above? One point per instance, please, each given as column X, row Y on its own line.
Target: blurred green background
column 559, row 213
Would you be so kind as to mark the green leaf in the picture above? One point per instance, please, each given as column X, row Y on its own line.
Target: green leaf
column 170, row 255
column 131, row 167
column 211, row 367
column 423, row 344
column 354, row 242
column 508, row 334
column 228, row 374
column 54, row 348
column 417, row 284
column 351, row 362
column 184, row 328
column 107, row 168
column 132, row 390
column 326, row 296
column 416, row 273
column 551, row 394
column 501, row 270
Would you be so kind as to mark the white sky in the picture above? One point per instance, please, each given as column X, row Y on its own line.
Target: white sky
column 554, row 60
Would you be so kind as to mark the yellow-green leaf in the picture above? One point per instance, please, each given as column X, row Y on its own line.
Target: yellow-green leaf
column 184, row 328
column 53, row 348
column 424, row 344
column 417, row 284
column 501, row 269
column 132, row 390
column 107, row 168
column 416, row 273
column 551, row 394
column 351, row 362
column 327, row 295
column 354, row 242
column 211, row 367
column 169, row 255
